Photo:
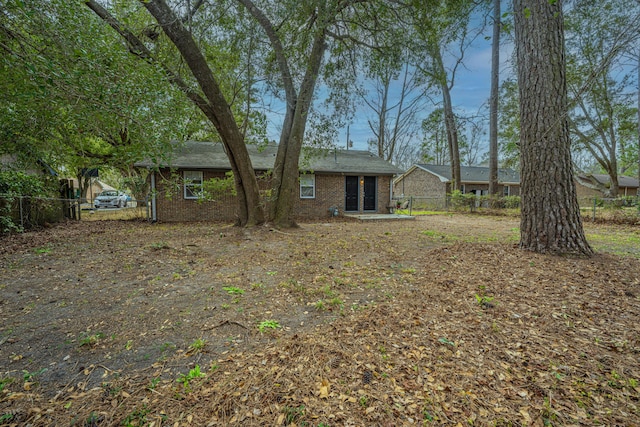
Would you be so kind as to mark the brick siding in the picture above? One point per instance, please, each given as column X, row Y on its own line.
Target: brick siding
column 420, row 183
column 171, row 205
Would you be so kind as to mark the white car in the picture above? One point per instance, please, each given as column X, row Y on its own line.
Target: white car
column 110, row 199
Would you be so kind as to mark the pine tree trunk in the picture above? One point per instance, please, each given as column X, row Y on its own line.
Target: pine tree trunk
column 493, row 103
column 449, row 120
column 550, row 218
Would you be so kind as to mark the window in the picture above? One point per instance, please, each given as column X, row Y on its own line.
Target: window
column 307, row 186
column 505, row 190
column 192, row 184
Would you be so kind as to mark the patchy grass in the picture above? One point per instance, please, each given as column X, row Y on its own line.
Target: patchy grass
column 620, row 240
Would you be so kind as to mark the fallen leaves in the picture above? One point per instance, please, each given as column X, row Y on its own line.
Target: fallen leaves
column 409, row 344
column 324, row 389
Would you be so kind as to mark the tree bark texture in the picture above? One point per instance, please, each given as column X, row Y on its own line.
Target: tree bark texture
column 550, row 215
column 493, row 101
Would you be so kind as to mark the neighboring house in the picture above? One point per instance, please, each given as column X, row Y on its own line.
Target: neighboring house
column 586, row 188
column 331, row 180
column 434, row 181
column 94, row 188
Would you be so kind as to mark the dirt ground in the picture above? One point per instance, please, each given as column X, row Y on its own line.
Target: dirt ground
column 437, row 321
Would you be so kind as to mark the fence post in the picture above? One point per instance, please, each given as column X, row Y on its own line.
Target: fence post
column 595, row 200
column 410, row 205
column 21, row 214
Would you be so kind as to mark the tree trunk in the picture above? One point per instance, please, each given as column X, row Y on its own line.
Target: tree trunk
column 493, row 102
column 452, row 139
column 550, row 217
column 214, row 107
column 382, row 124
column 449, row 120
column 289, row 151
column 219, row 113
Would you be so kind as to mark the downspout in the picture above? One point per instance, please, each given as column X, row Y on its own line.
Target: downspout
column 154, row 216
column 391, row 189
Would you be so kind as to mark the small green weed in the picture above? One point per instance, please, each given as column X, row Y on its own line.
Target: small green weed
column 93, row 419
column 136, row 418
column 363, row 401
column 43, row 250
column 4, row 382
column 28, row 376
column 197, row 345
column 484, row 301
column 192, row 375
column 153, row 384
column 268, row 324
column 160, row 245
column 293, row 285
column 293, row 414
column 327, row 292
column 233, row 290
column 91, row 340
column 443, row 340
column 6, row 417
column 336, row 302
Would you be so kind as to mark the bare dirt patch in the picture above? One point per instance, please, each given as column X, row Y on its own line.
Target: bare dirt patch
column 437, row 320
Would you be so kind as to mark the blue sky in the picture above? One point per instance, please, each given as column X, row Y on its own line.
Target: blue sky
column 470, row 92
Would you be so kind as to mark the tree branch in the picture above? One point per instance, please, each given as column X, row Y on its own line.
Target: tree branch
column 137, row 48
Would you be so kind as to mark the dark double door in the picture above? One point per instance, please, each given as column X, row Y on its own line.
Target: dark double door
column 352, row 193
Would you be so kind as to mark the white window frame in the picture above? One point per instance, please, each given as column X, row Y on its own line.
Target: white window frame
column 506, row 191
column 192, row 184
column 307, row 181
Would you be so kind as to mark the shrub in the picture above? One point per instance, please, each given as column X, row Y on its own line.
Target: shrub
column 14, row 185
column 459, row 200
column 511, row 202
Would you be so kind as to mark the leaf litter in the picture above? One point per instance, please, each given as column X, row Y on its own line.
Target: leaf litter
column 381, row 325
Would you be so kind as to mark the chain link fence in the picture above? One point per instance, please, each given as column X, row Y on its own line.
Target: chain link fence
column 621, row 209
column 19, row 213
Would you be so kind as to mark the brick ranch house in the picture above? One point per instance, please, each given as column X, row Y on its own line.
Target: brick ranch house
column 627, row 186
column 331, row 180
column 434, row 181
